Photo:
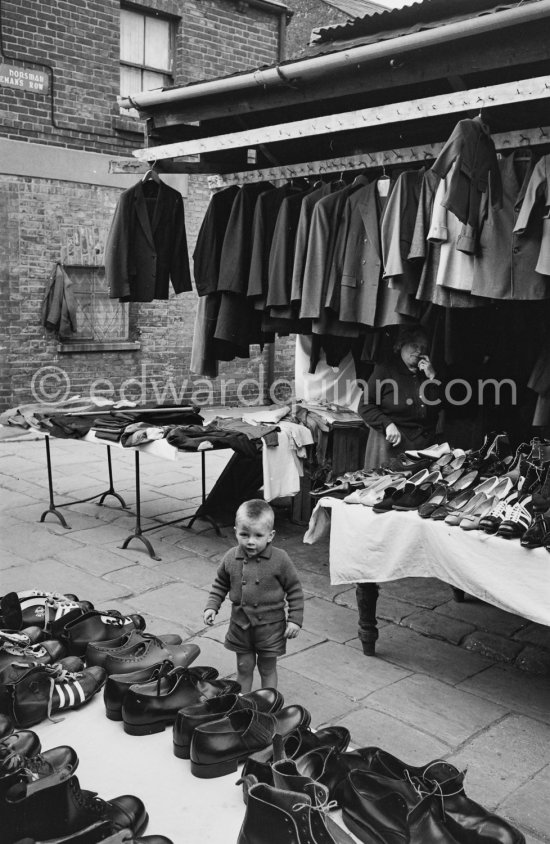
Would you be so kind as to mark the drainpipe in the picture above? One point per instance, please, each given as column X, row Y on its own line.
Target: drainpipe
column 309, row 69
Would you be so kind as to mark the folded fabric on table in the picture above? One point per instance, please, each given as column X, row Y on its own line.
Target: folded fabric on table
column 140, row 432
column 189, row 437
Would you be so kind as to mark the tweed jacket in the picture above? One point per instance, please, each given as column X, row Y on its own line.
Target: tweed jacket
column 537, row 203
column 147, row 245
column 258, row 587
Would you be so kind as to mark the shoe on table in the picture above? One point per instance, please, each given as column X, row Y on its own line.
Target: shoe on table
column 518, row 519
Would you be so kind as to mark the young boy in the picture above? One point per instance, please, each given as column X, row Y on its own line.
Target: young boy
column 258, row 579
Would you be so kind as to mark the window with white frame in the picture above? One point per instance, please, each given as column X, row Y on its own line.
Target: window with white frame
column 146, row 51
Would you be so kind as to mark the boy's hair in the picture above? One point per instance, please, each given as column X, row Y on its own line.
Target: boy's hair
column 254, row 510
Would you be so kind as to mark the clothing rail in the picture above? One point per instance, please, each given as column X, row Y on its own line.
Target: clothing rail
column 383, row 158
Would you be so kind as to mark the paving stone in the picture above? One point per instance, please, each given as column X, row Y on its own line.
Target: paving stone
column 370, row 728
column 534, row 660
column 504, row 758
column 439, row 627
column 333, row 622
column 423, row 591
column 452, row 716
column 96, row 561
column 483, row 616
column 393, row 609
column 514, row 689
column 326, row 705
column 54, row 576
column 525, row 806
column 207, row 546
column 426, row 656
column 13, row 501
column 37, row 543
column 344, row 669
column 318, row 584
column 137, row 579
column 178, row 602
column 535, row 634
column 495, row 647
column 192, row 569
column 9, row 560
column 347, row 598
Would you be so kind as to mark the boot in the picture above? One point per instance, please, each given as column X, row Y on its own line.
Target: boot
column 29, row 694
column 274, row 816
column 31, row 774
column 14, row 649
column 100, row 833
column 59, row 808
column 15, row 751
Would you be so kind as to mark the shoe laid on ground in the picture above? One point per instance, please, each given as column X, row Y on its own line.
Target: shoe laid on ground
column 44, row 653
column 297, row 745
column 27, row 775
column 190, row 717
column 274, row 815
column 151, row 707
column 6, row 727
column 96, row 626
column 218, row 746
column 140, row 646
column 118, row 684
column 61, row 808
column 31, row 694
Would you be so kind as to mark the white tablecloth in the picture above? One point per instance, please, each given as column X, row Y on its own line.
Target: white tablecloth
column 377, row 547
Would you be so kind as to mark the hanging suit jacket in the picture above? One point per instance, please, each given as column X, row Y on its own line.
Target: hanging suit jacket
column 506, row 261
column 58, row 311
column 537, row 204
column 208, row 248
column 147, row 245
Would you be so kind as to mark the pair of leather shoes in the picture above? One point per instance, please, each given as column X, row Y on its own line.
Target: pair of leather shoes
column 219, row 746
column 191, row 717
column 118, row 684
column 150, row 707
column 97, row 626
column 137, row 650
column 373, row 787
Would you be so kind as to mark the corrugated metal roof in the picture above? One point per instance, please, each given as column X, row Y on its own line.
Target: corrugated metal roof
column 394, row 22
column 356, row 8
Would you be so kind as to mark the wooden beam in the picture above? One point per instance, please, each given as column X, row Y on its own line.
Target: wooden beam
column 174, row 166
column 476, row 98
column 383, row 158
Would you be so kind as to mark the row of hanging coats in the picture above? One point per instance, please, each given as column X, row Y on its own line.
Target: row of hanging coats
column 342, row 261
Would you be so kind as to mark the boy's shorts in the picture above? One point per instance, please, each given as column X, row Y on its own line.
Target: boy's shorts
column 264, row 640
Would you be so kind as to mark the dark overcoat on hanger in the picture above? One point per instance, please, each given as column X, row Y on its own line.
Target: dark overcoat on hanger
column 146, row 249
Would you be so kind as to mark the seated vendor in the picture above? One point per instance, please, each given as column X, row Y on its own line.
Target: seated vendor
column 401, row 400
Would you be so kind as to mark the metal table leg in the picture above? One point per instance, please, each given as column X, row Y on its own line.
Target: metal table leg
column 101, row 495
column 52, row 508
column 367, row 595
column 138, row 532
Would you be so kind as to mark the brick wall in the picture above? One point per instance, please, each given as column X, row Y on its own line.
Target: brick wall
column 309, row 14
column 79, row 42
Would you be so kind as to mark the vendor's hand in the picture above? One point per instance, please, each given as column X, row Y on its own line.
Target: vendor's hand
column 292, row 630
column 425, row 366
column 209, row 617
column 393, row 434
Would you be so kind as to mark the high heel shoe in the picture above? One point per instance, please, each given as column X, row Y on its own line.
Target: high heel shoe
column 460, row 508
column 414, row 496
column 471, row 520
column 465, row 485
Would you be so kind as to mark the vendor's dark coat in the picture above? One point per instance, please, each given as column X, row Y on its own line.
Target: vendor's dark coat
column 147, row 249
